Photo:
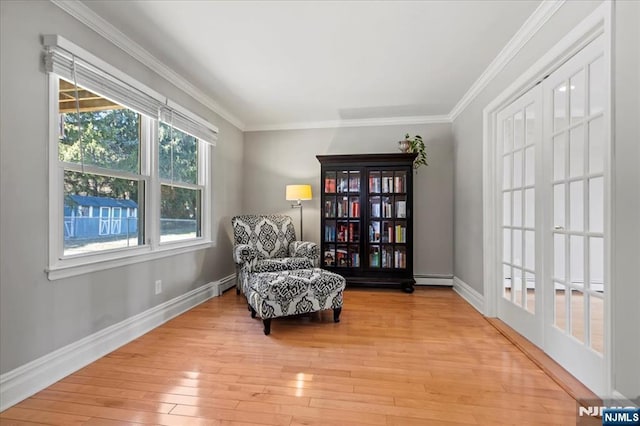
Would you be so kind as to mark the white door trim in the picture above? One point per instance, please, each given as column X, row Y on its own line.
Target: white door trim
column 597, row 23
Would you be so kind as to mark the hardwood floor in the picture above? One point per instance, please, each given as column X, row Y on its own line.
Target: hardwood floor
column 426, row 358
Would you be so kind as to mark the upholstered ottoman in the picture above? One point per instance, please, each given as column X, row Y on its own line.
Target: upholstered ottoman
column 278, row 294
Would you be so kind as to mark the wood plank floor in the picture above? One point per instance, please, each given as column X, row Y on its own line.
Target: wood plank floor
column 426, row 358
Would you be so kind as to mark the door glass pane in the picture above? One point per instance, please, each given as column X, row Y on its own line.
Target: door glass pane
column 330, row 206
column 517, row 247
column 576, row 206
column 374, row 232
column 576, row 262
column 374, row 207
column 530, row 121
column 330, row 231
column 387, row 181
column 529, row 208
column 558, row 205
column 530, row 283
column 559, row 164
column 576, row 151
column 506, row 281
column 354, row 181
column 558, row 256
column 596, row 321
column 330, row 182
column 596, row 264
column 374, row 182
column 529, row 166
column 508, row 135
column 577, row 314
column 354, row 207
column 400, row 182
column 343, row 181
column 596, row 86
column 596, row 143
column 506, row 208
column 517, row 208
column 400, row 257
column 577, row 97
column 529, row 250
column 354, row 256
column 506, row 172
column 329, row 258
column 596, row 205
column 401, row 206
column 342, row 256
column 517, row 169
column 374, row 256
column 506, row 245
column 387, row 231
column 559, row 304
column 517, row 286
column 560, row 107
column 518, row 129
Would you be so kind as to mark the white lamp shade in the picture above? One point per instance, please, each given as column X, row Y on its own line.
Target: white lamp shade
column 298, row 192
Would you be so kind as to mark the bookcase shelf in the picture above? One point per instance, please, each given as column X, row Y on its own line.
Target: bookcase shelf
column 366, row 223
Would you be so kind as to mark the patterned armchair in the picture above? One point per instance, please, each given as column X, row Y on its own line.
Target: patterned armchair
column 277, row 274
column 267, row 243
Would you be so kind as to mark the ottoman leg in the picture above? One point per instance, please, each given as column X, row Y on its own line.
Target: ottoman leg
column 253, row 311
column 336, row 314
column 267, row 326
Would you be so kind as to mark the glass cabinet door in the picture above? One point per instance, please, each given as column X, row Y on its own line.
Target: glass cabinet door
column 341, row 202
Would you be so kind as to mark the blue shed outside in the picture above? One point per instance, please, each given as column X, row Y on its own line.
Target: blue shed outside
column 91, row 217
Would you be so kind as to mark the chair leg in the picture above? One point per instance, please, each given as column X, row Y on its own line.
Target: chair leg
column 336, row 314
column 267, row 326
column 253, row 311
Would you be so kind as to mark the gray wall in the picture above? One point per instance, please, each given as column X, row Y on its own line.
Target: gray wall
column 276, row 158
column 626, row 218
column 467, row 131
column 38, row 316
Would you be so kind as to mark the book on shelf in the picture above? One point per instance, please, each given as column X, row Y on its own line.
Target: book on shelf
column 341, row 257
column 329, row 233
column 374, row 259
column 375, row 209
column 374, row 232
column 354, row 183
column 399, row 184
column 374, row 184
column 387, row 184
column 330, row 185
column 401, row 209
column 400, row 259
column 329, row 208
column 386, row 208
column 355, row 208
column 400, row 234
column 355, row 259
column 329, row 258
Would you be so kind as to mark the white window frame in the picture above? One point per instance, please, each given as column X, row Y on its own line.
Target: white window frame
column 60, row 266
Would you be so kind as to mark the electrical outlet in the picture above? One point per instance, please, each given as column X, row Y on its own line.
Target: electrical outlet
column 158, row 286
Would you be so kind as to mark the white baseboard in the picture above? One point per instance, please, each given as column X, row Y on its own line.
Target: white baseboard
column 469, row 294
column 226, row 283
column 26, row 380
column 627, row 401
column 434, row 280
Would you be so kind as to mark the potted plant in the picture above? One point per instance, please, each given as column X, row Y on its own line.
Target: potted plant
column 414, row 144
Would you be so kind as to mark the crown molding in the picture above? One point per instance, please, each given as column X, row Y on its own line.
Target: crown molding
column 98, row 24
column 362, row 122
column 532, row 25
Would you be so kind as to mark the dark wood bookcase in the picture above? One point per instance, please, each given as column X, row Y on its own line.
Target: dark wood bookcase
column 367, row 218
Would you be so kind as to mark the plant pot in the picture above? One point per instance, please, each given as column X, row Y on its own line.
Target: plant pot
column 404, row 145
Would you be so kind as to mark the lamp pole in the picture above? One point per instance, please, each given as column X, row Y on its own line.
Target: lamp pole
column 298, row 205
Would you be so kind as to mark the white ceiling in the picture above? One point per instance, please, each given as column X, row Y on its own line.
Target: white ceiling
column 279, row 64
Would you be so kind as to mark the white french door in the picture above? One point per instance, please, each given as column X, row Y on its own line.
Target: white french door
column 552, row 179
column 519, row 143
column 576, row 152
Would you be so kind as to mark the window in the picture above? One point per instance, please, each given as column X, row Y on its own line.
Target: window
column 99, row 151
column 129, row 169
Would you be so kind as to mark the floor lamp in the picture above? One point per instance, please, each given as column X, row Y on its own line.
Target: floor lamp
column 298, row 193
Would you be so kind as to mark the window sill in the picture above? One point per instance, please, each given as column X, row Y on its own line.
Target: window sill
column 61, row 271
